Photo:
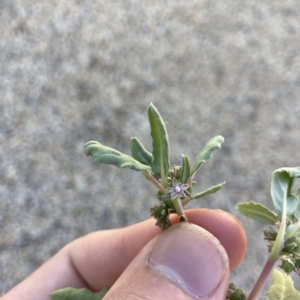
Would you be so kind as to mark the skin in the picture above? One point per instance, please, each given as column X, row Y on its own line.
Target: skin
column 98, row 259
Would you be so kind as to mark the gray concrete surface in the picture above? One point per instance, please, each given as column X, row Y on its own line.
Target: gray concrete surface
column 74, row 71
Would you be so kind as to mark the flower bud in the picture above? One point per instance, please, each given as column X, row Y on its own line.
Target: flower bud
column 288, row 265
column 270, row 234
column 289, row 247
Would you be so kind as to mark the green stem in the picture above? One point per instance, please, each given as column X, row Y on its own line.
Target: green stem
column 155, row 182
column 273, row 257
column 279, row 242
column 179, row 209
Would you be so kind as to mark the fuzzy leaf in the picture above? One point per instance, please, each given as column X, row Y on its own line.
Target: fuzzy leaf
column 77, row 294
column 281, row 183
column 139, row 152
column 106, row 155
column 209, row 191
column 206, row 153
column 185, row 170
column 258, row 212
column 282, row 287
column 160, row 143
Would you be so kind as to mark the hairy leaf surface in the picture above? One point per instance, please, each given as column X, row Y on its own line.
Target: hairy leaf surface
column 139, row 152
column 160, row 143
column 206, row 153
column 209, row 191
column 106, row 155
column 185, row 170
column 282, row 287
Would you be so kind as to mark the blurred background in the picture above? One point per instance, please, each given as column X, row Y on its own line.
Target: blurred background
column 73, row 71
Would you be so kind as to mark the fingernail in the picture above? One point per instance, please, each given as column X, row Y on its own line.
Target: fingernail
column 191, row 258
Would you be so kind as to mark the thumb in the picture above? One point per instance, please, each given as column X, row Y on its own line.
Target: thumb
column 184, row 262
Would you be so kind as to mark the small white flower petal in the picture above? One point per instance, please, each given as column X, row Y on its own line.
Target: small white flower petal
column 182, row 194
column 184, row 186
column 174, row 195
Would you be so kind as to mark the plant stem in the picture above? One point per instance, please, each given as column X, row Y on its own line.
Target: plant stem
column 179, row 209
column 155, row 182
column 279, row 241
column 262, row 279
column 273, row 256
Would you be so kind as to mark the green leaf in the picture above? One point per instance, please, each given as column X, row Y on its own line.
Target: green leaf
column 292, row 204
column 282, row 287
column 292, row 230
column 234, row 293
column 77, row 294
column 297, row 211
column 206, row 153
column 281, row 183
column 185, row 170
column 106, row 155
column 209, row 191
column 237, row 296
column 258, row 212
column 160, row 143
column 279, row 186
column 139, row 152
column 162, row 212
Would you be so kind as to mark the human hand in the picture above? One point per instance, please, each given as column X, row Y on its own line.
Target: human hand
column 183, row 262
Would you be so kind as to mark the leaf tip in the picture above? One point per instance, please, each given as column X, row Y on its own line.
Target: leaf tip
column 87, row 147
